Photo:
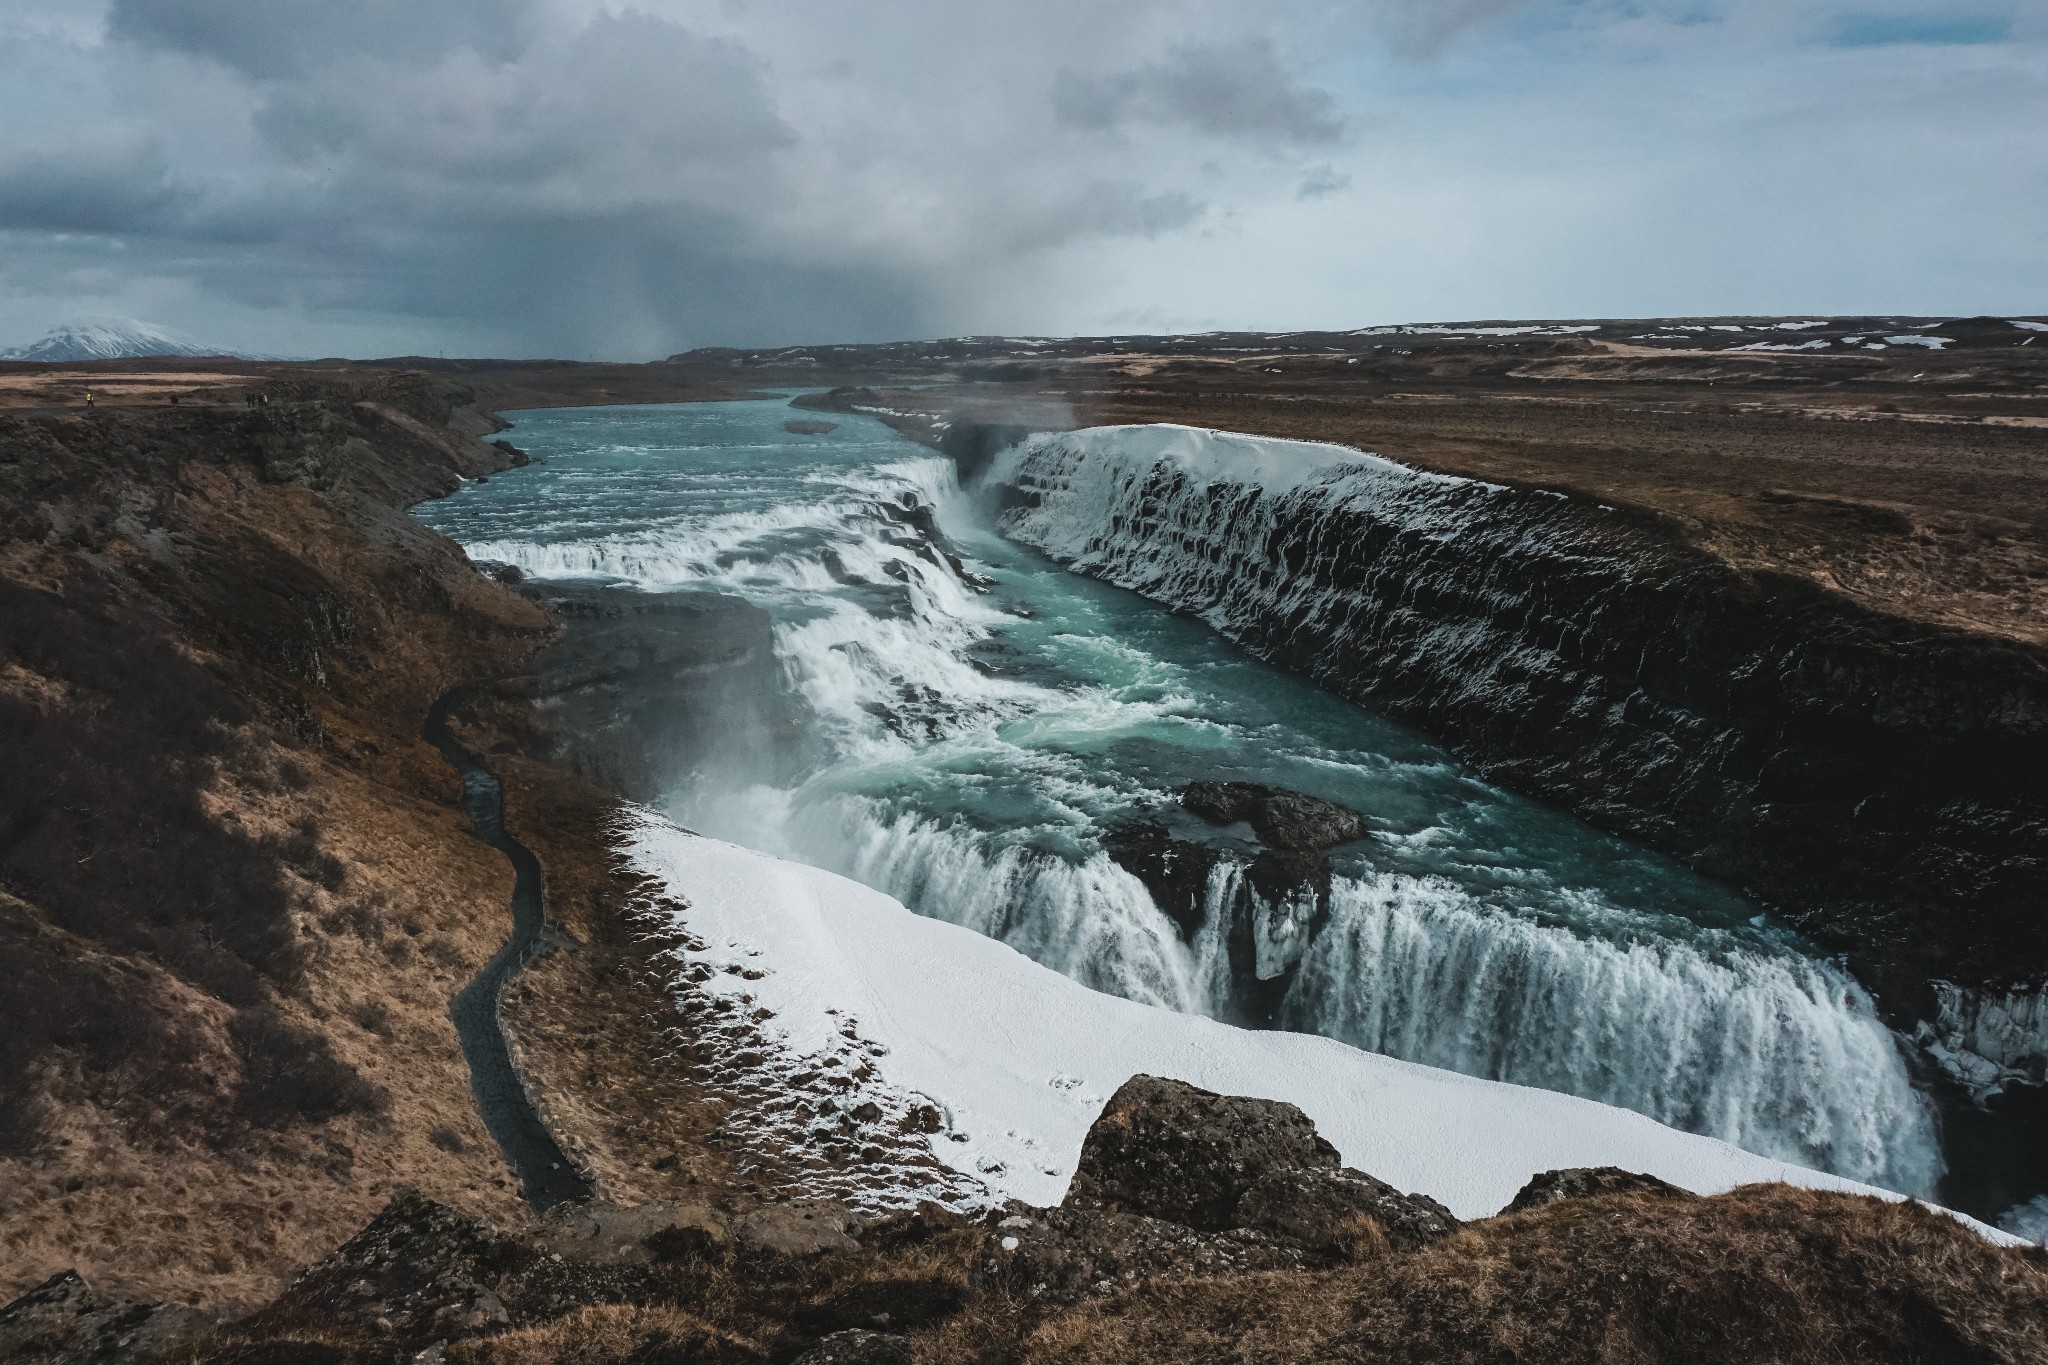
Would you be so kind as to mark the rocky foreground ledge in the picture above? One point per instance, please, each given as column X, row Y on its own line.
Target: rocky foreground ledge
column 1198, row 1226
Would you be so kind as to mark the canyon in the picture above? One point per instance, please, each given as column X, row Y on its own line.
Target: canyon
column 1821, row 688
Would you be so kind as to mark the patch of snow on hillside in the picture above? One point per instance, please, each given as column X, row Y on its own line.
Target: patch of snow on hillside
column 1931, row 343
column 2031, row 326
column 1019, row 1060
column 1801, row 326
column 1817, row 344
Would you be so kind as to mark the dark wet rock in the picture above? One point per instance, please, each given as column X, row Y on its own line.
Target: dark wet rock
column 1175, row 871
column 1284, row 874
column 808, row 426
column 1167, row 1149
column 65, row 1321
column 1281, row 818
column 1056, row 1255
column 836, row 566
column 646, row 687
column 419, row 1272
column 514, row 456
column 1587, row 1182
column 973, row 446
column 508, row 574
column 909, row 511
column 845, row 398
column 1342, row 1212
column 857, row 1346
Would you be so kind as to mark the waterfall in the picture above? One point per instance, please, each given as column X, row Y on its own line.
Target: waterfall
column 979, row 794
column 1780, row 1055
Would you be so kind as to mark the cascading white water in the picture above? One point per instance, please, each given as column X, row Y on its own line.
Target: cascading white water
column 1778, row 1054
column 1781, row 1055
column 970, row 750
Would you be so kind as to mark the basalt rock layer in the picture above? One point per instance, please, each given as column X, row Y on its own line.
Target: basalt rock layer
column 1876, row 778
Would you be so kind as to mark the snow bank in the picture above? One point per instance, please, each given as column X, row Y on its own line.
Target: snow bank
column 1020, row 1059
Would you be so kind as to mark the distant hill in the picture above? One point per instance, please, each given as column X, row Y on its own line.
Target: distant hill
column 113, row 340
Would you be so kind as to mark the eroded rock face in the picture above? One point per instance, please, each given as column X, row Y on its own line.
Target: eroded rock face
column 645, row 687
column 1167, row 1149
column 420, row 1271
column 1175, row 871
column 1586, row 1182
column 1876, row 778
column 1283, row 895
column 1336, row 1212
column 1281, row 818
column 64, row 1320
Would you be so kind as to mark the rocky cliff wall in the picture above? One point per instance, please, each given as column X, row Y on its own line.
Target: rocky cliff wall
column 1877, row 780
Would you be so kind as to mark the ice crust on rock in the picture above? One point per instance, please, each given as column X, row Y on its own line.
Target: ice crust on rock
column 1017, row 1060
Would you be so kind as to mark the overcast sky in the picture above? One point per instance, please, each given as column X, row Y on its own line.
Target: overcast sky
column 585, row 179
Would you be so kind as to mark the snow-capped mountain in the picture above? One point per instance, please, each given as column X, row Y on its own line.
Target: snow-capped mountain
column 111, row 340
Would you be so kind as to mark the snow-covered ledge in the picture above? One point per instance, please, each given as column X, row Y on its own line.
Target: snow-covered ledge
column 1018, row 1060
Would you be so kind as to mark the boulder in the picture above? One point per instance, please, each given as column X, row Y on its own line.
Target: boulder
column 64, row 1319
column 1589, row 1182
column 1175, row 871
column 1281, row 818
column 1061, row 1255
column 1343, row 1213
column 420, row 1271
column 799, row 1228
column 1166, row 1149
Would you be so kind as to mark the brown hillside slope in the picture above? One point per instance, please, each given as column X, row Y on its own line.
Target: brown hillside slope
column 235, row 892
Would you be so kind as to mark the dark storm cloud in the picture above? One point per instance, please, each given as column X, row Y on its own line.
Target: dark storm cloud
column 632, row 110
column 89, row 188
column 1232, row 90
column 275, row 38
column 632, row 177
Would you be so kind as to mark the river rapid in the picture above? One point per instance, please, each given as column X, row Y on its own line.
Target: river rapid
column 962, row 735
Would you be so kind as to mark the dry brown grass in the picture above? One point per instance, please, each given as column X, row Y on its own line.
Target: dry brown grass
column 170, row 1186
column 614, row 1335
column 1764, row 1274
